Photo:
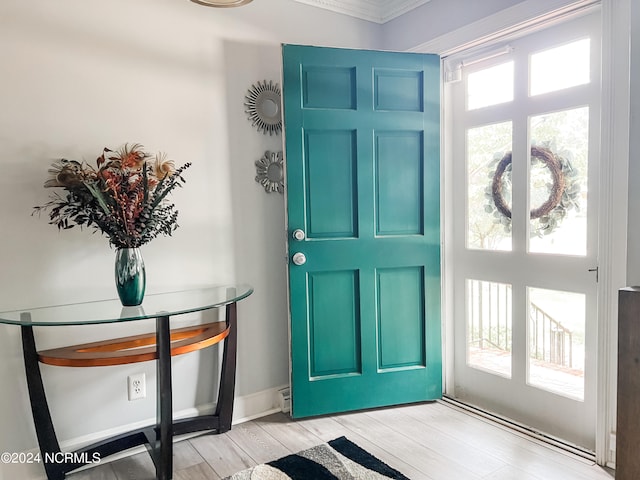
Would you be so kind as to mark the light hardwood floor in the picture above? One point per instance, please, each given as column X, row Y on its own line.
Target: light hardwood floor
column 432, row 441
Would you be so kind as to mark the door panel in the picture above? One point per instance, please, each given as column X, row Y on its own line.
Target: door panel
column 399, row 194
column 363, row 178
column 330, row 87
column 334, row 323
column 401, row 343
column 399, row 90
column 331, row 164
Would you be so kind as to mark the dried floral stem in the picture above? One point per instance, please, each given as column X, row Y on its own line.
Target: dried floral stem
column 125, row 198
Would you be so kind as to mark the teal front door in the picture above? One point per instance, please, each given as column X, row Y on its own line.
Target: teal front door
column 363, row 204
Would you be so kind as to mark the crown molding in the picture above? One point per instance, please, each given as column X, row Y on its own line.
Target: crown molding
column 378, row 11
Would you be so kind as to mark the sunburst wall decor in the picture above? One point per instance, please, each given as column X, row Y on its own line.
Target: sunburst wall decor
column 270, row 172
column 262, row 103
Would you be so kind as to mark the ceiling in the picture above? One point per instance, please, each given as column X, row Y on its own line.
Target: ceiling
column 378, row 11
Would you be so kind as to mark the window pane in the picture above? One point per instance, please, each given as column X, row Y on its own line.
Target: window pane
column 487, row 229
column 563, row 228
column 560, row 67
column 556, row 341
column 489, row 326
column 490, row 86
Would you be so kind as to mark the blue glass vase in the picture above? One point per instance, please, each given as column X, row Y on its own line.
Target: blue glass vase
column 130, row 276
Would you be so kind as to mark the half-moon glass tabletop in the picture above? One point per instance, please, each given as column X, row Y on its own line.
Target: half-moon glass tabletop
column 112, row 311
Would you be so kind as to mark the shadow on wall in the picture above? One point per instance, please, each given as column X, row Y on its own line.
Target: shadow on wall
column 259, row 226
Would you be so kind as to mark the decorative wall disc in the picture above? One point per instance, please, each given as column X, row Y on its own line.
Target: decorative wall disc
column 263, row 108
column 270, row 172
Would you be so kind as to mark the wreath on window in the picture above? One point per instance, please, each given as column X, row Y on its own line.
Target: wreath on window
column 563, row 191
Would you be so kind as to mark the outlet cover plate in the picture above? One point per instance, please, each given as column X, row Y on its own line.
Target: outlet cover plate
column 136, row 386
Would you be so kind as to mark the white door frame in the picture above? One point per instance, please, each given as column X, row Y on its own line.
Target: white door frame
column 613, row 181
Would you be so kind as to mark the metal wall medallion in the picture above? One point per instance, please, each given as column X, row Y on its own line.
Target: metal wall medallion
column 262, row 103
column 270, row 172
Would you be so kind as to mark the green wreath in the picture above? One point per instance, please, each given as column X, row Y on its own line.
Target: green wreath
column 563, row 192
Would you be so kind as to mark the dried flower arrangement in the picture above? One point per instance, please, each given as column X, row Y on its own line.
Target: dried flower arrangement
column 124, row 198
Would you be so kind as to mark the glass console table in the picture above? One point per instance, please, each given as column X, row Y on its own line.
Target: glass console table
column 159, row 345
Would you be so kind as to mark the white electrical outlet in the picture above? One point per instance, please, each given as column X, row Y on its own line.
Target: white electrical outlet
column 136, row 386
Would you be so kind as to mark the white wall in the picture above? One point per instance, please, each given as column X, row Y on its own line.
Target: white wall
column 437, row 18
column 79, row 75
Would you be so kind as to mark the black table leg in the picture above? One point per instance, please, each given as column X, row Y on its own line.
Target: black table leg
column 47, row 439
column 224, row 406
column 164, row 410
column 220, row 420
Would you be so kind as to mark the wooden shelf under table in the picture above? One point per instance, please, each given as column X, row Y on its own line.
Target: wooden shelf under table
column 135, row 348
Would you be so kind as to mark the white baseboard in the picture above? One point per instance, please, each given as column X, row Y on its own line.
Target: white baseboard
column 245, row 408
column 256, row 405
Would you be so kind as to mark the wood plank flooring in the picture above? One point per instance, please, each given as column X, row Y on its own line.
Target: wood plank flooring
column 431, row 441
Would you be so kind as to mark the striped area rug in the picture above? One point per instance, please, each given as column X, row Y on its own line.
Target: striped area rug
column 338, row 459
